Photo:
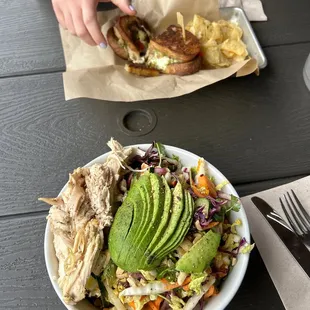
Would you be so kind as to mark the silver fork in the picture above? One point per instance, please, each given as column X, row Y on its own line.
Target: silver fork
column 297, row 216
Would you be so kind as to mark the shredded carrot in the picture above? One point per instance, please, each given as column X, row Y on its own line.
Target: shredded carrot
column 186, row 287
column 170, row 286
column 212, row 224
column 203, row 182
column 186, row 281
column 132, row 305
column 165, row 281
column 198, row 193
column 210, row 292
column 152, row 305
column 204, row 187
column 211, row 188
column 158, row 301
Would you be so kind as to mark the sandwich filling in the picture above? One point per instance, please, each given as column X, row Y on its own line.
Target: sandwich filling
column 158, row 60
column 120, row 40
column 140, row 38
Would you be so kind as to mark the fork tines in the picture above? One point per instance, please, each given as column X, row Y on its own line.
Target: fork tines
column 296, row 214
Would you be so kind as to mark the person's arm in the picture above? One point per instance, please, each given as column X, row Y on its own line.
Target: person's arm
column 80, row 18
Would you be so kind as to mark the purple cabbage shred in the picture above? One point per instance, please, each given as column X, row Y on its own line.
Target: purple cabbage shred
column 137, row 275
column 235, row 251
column 201, row 303
column 201, row 217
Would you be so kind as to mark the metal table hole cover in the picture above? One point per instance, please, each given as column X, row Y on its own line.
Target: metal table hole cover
column 137, row 122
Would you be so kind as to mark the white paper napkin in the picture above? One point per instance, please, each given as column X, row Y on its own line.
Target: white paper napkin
column 253, row 8
column 289, row 278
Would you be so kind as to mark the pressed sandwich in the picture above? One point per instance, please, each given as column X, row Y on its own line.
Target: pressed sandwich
column 171, row 53
column 129, row 38
column 168, row 53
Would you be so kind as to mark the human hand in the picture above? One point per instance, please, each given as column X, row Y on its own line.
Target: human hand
column 80, row 18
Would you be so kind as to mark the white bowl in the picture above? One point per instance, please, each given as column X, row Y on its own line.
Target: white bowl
column 235, row 277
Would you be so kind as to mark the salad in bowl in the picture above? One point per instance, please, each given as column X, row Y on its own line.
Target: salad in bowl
column 146, row 227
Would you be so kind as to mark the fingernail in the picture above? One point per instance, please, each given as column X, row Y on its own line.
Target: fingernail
column 131, row 7
column 103, row 45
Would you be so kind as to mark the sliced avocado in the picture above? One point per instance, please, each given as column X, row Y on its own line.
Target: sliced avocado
column 202, row 202
column 176, row 212
column 165, row 216
column 151, row 222
column 120, row 228
column 200, row 255
column 183, row 227
column 158, row 195
column 132, row 248
column 135, row 201
column 143, row 203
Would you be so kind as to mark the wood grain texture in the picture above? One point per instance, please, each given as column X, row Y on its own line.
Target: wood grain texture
column 254, row 187
column 251, row 128
column 25, row 285
column 30, row 40
column 288, row 22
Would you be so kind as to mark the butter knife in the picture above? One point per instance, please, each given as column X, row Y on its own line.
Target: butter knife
column 290, row 240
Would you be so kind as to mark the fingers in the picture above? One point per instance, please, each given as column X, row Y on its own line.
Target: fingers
column 125, row 6
column 59, row 15
column 80, row 18
column 69, row 22
column 80, row 28
column 91, row 23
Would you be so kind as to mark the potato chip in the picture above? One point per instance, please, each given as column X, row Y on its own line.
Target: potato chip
column 199, row 27
column 211, row 54
column 220, row 41
column 189, row 25
column 213, row 57
column 235, row 46
column 230, row 30
column 210, row 43
column 216, row 33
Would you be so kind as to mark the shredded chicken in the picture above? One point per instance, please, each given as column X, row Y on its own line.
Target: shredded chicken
column 78, row 264
column 77, row 218
column 99, row 183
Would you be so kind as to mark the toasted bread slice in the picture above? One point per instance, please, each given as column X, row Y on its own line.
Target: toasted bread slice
column 118, row 47
column 141, row 70
column 184, row 68
column 172, row 44
column 129, row 27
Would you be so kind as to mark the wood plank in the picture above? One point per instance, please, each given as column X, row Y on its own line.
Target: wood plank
column 288, row 22
column 254, row 187
column 251, row 128
column 24, row 283
column 30, row 40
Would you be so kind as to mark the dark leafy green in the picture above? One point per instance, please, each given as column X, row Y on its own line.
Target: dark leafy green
column 168, row 273
column 233, row 204
column 104, row 294
column 109, row 273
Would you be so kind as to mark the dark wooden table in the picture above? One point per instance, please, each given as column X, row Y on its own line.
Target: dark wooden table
column 254, row 129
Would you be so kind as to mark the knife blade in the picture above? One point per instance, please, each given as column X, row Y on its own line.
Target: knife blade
column 290, row 240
